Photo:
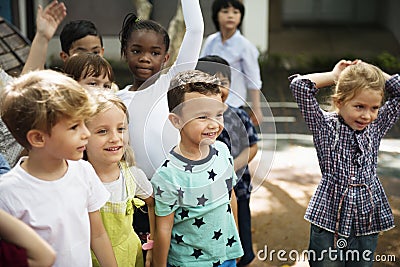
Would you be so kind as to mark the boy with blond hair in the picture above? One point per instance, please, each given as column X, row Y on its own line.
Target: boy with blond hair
column 51, row 189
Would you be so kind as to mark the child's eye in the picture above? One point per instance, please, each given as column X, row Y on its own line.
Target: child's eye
column 108, row 86
column 202, row 117
column 156, row 53
column 92, row 83
column 135, row 51
column 103, row 131
column 73, row 127
column 121, row 129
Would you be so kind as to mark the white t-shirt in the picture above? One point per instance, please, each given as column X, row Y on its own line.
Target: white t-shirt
column 152, row 135
column 57, row 210
column 118, row 191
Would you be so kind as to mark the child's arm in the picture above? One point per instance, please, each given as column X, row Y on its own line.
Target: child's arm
column 99, row 241
column 193, row 38
column 12, row 230
column 324, row 79
column 257, row 115
column 245, row 157
column 47, row 22
column 162, row 239
column 234, row 207
column 152, row 221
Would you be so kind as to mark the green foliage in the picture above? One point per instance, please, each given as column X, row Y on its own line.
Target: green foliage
column 309, row 63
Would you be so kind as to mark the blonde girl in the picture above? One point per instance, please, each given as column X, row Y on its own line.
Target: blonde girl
column 349, row 207
column 109, row 153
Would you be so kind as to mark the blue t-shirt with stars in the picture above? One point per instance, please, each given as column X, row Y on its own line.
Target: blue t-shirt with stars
column 204, row 231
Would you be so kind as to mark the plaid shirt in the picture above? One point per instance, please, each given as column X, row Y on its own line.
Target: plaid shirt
column 238, row 134
column 349, row 192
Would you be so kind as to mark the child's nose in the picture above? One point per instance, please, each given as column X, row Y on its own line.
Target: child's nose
column 85, row 132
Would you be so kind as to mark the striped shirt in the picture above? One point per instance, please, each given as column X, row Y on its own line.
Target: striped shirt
column 349, row 193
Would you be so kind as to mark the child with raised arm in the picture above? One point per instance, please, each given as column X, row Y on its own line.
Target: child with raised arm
column 240, row 135
column 241, row 54
column 349, row 207
column 109, row 153
column 144, row 46
column 194, row 221
column 51, row 189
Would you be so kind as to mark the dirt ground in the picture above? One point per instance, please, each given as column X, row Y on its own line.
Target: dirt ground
column 279, row 202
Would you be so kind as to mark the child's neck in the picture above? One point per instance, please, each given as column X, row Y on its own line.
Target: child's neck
column 193, row 153
column 45, row 169
column 107, row 172
column 226, row 34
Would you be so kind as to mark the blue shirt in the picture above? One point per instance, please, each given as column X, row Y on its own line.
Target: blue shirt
column 4, row 166
column 204, row 231
column 242, row 56
column 349, row 192
column 238, row 134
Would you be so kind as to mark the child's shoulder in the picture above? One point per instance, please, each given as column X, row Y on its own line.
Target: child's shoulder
column 221, row 147
column 81, row 167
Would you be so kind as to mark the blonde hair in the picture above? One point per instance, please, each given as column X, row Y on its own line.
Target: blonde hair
column 354, row 78
column 105, row 100
column 39, row 100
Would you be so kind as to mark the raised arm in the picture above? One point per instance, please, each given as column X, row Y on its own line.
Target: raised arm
column 47, row 21
column 191, row 44
column 324, row 79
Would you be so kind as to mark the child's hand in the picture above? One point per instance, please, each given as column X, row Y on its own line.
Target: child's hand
column 49, row 18
column 341, row 65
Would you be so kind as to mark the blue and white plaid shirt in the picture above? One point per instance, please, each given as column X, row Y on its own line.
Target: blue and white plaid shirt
column 349, row 192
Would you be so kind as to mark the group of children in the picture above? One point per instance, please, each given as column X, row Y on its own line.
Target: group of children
column 192, row 142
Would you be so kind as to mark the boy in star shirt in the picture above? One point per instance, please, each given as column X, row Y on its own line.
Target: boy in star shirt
column 194, row 221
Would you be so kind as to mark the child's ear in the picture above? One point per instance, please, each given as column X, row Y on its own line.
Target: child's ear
column 175, row 120
column 166, row 58
column 36, row 138
column 338, row 104
column 64, row 56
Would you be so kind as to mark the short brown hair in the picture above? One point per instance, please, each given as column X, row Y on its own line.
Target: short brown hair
column 188, row 82
column 82, row 65
column 39, row 99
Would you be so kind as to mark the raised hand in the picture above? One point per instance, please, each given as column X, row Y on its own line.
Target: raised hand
column 341, row 65
column 48, row 19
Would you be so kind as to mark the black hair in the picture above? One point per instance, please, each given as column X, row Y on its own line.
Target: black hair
column 76, row 30
column 220, row 4
column 205, row 65
column 133, row 23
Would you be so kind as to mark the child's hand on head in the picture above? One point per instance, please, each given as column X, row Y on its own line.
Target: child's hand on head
column 49, row 18
column 341, row 65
